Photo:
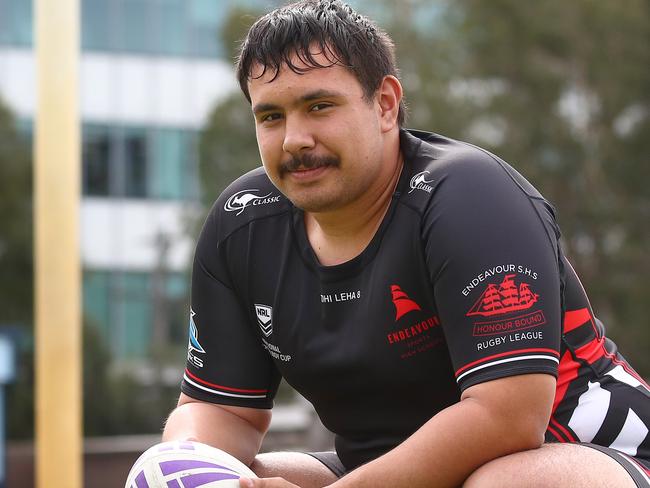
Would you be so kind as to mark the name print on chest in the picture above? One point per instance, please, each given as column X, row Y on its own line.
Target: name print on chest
column 343, row 296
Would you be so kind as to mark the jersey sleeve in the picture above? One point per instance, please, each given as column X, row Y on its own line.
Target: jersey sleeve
column 226, row 363
column 492, row 252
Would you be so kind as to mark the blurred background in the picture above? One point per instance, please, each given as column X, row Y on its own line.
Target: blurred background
column 559, row 89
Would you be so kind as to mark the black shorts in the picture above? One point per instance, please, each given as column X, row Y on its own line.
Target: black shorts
column 331, row 461
column 637, row 468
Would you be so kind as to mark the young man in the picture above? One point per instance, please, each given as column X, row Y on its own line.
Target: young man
column 410, row 286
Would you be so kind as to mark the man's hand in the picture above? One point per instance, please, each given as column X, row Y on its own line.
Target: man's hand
column 266, row 483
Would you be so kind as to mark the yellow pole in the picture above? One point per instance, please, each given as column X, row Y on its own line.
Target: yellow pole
column 57, row 269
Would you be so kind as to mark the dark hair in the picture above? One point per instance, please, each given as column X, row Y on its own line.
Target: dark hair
column 340, row 33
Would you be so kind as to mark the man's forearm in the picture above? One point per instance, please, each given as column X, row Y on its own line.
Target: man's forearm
column 217, row 427
column 444, row 451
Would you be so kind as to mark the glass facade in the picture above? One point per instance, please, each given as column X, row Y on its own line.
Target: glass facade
column 139, row 162
column 121, row 305
column 187, row 28
column 16, row 22
column 152, row 27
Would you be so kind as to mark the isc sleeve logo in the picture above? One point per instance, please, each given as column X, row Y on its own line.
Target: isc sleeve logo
column 264, row 315
column 420, row 182
column 239, row 201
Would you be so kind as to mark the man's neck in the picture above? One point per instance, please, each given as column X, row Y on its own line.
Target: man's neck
column 341, row 235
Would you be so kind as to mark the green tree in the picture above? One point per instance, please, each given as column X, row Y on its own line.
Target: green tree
column 574, row 111
column 15, row 224
column 16, row 267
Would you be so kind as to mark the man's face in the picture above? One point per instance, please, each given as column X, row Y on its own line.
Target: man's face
column 320, row 140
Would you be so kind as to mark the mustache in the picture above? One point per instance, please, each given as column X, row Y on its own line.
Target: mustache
column 308, row 161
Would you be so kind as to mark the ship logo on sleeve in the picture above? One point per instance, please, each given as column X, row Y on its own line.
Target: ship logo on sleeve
column 504, row 298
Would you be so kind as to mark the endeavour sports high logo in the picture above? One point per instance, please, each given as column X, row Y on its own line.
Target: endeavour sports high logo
column 417, row 335
column 419, row 182
column 264, row 318
column 403, row 304
column 504, row 298
column 245, row 198
column 193, row 345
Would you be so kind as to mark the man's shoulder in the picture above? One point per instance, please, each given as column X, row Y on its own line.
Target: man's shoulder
column 444, row 156
column 436, row 166
column 250, row 197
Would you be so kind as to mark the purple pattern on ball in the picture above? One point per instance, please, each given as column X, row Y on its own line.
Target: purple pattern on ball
column 170, row 467
column 173, row 484
column 187, row 445
column 195, row 480
column 167, row 446
column 141, row 480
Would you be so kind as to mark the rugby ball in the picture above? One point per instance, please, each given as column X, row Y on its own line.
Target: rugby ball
column 185, row 464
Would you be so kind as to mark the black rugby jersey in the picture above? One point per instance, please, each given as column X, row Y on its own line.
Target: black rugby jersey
column 464, row 282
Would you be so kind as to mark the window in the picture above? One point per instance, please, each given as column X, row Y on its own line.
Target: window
column 96, row 161
column 133, row 306
column 139, row 162
column 16, row 22
column 96, row 300
column 135, row 161
column 98, row 29
column 173, row 28
column 136, row 25
column 120, row 305
column 205, row 20
column 173, row 174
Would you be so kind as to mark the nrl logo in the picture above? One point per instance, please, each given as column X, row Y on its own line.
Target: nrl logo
column 264, row 318
column 419, row 182
column 244, row 198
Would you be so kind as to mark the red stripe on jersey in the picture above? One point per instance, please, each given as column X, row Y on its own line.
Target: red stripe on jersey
column 575, row 318
column 647, row 471
column 561, row 427
column 555, row 433
column 636, row 462
column 625, row 366
column 226, row 388
column 503, row 354
column 567, row 372
column 594, row 350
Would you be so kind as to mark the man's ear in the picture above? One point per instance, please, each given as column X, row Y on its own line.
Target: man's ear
column 389, row 96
